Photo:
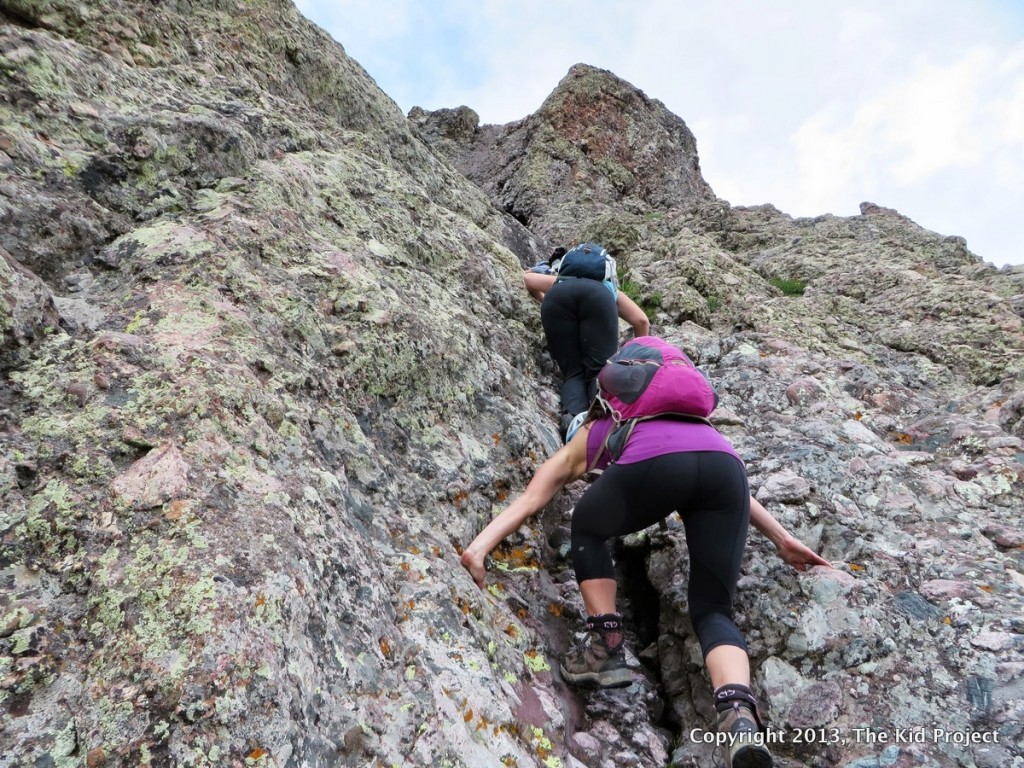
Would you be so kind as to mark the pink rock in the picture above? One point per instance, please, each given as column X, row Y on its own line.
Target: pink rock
column 158, row 477
column 858, row 465
column 889, row 402
column 1004, row 536
column 945, row 589
column 786, row 487
column 804, row 391
column 993, row 641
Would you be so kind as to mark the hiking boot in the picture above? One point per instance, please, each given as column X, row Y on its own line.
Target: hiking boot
column 598, row 660
column 745, row 742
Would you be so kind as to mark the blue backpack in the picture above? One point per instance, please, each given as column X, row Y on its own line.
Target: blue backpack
column 588, row 260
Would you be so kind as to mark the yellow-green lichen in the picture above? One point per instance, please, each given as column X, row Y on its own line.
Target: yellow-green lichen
column 536, row 662
column 50, row 518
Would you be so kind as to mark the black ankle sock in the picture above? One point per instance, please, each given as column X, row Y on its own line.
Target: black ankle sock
column 727, row 694
column 609, row 625
column 605, row 622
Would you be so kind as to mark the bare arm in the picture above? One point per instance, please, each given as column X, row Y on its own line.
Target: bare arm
column 538, row 284
column 790, row 549
column 566, row 465
column 632, row 314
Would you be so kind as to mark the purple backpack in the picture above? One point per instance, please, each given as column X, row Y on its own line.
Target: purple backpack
column 649, row 378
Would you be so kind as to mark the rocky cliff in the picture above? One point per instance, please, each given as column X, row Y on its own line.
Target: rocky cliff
column 268, row 365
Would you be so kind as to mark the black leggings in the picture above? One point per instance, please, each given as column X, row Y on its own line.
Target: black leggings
column 709, row 489
column 581, row 324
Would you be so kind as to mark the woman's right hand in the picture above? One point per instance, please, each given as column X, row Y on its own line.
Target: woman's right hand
column 474, row 563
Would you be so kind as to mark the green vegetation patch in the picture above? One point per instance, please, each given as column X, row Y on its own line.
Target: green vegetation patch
column 789, row 286
column 649, row 303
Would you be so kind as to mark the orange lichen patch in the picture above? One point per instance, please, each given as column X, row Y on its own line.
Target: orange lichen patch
column 436, row 551
column 176, row 509
column 414, row 550
column 460, row 497
column 257, row 754
column 468, row 716
column 385, row 647
column 496, row 438
column 464, row 605
column 260, row 600
column 516, row 557
column 455, row 656
column 856, row 567
column 858, row 416
column 482, row 724
column 405, row 567
column 947, row 620
column 901, row 437
column 522, row 613
column 512, row 631
column 555, row 609
column 985, row 587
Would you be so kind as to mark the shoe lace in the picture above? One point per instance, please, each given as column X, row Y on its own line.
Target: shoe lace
column 583, row 645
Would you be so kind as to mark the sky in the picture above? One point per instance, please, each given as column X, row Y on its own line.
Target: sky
column 814, row 106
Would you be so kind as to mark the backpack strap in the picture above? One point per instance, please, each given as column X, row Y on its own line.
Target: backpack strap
column 592, row 466
column 677, row 417
column 600, row 404
column 614, row 443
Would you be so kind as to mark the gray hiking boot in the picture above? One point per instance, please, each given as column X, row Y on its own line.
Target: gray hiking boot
column 746, row 743
column 599, row 660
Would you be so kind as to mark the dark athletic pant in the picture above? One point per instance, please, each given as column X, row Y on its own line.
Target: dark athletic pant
column 709, row 490
column 581, row 324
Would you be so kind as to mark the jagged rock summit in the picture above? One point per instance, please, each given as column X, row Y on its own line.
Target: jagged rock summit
column 596, row 147
column 268, row 365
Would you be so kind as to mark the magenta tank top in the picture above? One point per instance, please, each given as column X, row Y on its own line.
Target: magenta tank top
column 656, row 437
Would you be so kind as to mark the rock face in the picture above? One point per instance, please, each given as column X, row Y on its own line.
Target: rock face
column 268, row 366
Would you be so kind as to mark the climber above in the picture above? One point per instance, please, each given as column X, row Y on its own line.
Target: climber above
column 580, row 310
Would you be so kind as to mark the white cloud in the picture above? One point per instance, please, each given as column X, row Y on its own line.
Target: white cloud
column 904, row 136
column 1008, row 113
column 930, row 121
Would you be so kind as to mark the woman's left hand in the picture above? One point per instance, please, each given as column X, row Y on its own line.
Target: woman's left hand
column 797, row 554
